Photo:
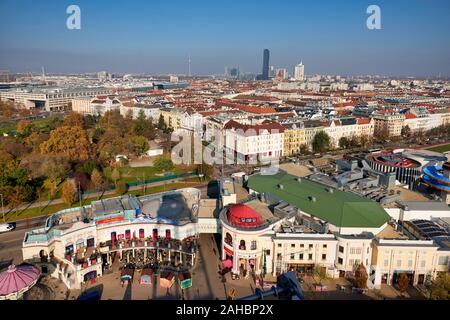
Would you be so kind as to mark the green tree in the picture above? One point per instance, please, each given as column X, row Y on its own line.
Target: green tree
column 138, row 145
column 162, row 164
column 440, row 288
column 88, row 167
column 321, row 142
column 161, row 123
column 406, row 132
column 69, row 192
column 343, row 143
column 115, row 175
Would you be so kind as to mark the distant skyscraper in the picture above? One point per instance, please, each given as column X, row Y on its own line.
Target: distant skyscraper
column 299, row 72
column 272, row 72
column 265, row 68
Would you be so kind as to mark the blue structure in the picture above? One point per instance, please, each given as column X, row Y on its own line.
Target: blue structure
column 265, row 68
column 438, row 177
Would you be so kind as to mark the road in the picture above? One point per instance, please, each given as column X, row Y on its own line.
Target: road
column 11, row 242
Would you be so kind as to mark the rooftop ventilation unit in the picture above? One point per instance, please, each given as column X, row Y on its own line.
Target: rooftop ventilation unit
column 313, row 199
column 330, row 190
column 299, row 180
column 281, row 186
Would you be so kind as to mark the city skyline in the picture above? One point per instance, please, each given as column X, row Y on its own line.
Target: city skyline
column 331, row 38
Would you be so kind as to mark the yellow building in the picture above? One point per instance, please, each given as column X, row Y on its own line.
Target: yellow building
column 172, row 117
column 420, row 260
column 294, row 138
column 390, row 124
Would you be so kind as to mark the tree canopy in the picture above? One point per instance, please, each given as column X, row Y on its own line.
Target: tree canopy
column 321, row 142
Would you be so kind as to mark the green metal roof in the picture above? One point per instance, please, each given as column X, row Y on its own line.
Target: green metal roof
column 342, row 209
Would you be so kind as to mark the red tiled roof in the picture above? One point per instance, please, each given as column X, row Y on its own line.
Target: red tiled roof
column 255, row 129
column 410, row 115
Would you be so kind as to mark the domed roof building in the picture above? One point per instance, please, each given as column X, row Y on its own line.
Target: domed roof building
column 15, row 281
column 242, row 216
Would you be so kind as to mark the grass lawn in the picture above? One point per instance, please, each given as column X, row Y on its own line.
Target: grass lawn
column 129, row 174
column 443, row 148
column 43, row 211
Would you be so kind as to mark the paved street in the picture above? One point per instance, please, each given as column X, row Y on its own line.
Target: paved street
column 11, row 242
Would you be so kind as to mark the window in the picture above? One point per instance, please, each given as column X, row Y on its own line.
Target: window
column 300, row 256
column 242, row 245
column 351, row 262
column 340, row 261
column 341, row 249
column 355, row 250
column 292, row 245
column 279, row 256
column 399, row 263
column 310, row 256
column 292, row 256
column 253, row 245
column 324, row 246
column 422, row 263
column 410, row 263
column 302, row 245
column 443, row 261
column 228, row 239
column 267, row 252
column 90, row 242
column 324, row 257
column 310, row 246
column 279, row 245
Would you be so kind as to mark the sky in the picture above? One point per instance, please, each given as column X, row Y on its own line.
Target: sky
column 157, row 37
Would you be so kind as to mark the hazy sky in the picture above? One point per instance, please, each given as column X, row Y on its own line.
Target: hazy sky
column 150, row 36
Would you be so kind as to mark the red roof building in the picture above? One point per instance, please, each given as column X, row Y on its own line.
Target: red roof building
column 242, row 216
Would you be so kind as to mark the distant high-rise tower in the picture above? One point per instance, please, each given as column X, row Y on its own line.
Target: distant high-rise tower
column 299, row 72
column 189, row 66
column 265, row 68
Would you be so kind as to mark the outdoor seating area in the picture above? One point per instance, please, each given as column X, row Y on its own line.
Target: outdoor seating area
column 187, row 245
column 84, row 256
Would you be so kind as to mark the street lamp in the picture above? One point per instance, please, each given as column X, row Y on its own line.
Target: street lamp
column 3, row 211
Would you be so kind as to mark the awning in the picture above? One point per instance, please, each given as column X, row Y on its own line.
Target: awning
column 227, row 263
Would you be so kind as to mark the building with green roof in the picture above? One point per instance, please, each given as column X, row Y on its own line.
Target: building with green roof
column 348, row 212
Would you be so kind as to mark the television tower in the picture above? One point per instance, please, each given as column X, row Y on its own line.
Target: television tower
column 43, row 74
column 189, row 74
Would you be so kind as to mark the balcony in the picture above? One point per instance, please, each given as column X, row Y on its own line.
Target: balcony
column 188, row 245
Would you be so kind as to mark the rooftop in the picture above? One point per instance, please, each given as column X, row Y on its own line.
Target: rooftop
column 342, row 209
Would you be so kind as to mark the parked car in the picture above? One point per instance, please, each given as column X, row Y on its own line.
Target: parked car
column 5, row 227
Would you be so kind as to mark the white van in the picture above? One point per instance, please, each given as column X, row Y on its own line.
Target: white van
column 5, row 227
